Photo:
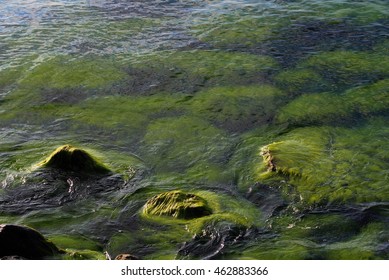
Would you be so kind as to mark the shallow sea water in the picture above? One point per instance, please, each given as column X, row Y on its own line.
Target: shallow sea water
column 273, row 112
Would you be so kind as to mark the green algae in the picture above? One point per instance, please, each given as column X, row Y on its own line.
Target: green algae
column 349, row 68
column 69, row 72
column 123, row 112
column 165, row 234
column 243, row 164
column 371, row 99
column 83, row 255
column 327, row 108
column 9, row 76
column 74, row 242
column 353, row 12
column 316, row 236
column 276, row 250
column 312, row 165
column 209, row 174
column 319, row 108
column 328, row 165
column 298, row 81
column 362, row 247
column 210, row 64
column 182, row 142
column 163, row 243
column 230, row 31
column 360, row 13
column 191, row 71
column 237, row 108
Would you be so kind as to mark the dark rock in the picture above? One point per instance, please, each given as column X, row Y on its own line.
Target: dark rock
column 24, row 242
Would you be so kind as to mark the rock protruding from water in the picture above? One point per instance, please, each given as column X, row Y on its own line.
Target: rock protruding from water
column 24, row 243
column 69, row 158
column 178, row 205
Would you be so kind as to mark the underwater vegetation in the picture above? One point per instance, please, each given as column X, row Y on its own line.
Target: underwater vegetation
column 258, row 133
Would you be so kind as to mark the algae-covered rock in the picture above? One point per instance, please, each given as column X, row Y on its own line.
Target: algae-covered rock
column 69, row 158
column 177, row 204
column 25, row 242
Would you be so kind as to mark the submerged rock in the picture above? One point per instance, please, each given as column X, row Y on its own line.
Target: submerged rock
column 68, row 174
column 23, row 242
column 69, row 158
column 178, row 205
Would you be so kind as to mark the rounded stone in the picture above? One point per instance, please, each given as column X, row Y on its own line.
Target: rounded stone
column 178, row 205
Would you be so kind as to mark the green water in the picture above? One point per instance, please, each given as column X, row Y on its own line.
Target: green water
column 273, row 113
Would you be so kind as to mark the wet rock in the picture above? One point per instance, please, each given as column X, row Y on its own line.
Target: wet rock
column 178, row 205
column 126, row 257
column 68, row 174
column 69, row 158
column 24, row 242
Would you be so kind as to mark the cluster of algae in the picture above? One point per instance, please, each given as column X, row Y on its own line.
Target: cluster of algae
column 185, row 111
column 323, row 165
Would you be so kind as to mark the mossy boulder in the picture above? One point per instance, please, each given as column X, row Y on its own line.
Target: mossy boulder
column 25, row 242
column 69, row 158
column 178, row 205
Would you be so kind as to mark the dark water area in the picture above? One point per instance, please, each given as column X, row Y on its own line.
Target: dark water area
column 212, row 129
